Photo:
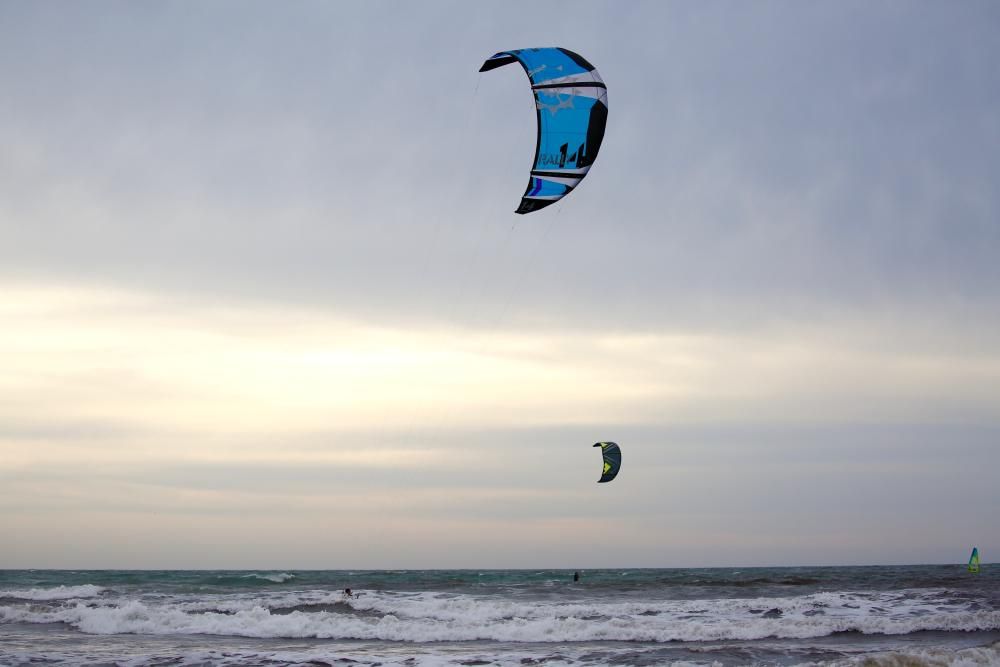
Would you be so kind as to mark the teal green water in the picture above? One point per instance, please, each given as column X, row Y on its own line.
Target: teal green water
column 687, row 582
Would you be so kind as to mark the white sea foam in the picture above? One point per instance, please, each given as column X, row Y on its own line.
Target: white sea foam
column 272, row 600
column 927, row 657
column 57, row 593
column 423, row 617
column 278, row 578
column 429, row 657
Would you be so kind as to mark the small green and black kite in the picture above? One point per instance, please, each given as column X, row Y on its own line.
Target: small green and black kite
column 612, row 460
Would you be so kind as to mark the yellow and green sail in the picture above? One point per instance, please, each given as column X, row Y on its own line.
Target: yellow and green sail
column 974, row 560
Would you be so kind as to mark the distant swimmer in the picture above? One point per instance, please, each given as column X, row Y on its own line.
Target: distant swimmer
column 347, row 593
column 576, row 576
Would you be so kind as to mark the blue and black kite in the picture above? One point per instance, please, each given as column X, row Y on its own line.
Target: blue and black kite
column 571, row 103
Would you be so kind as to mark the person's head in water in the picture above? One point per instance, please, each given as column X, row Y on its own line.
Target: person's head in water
column 347, row 592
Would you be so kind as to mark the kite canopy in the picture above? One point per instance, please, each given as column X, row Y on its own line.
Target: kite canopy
column 612, row 460
column 571, row 104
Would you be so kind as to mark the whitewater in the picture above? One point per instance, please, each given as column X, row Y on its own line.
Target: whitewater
column 914, row 615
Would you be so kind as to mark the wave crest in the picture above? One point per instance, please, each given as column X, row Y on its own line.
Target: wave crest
column 57, row 593
column 438, row 617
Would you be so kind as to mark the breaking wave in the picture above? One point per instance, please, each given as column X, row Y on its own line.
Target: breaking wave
column 278, row 578
column 57, row 593
column 428, row 617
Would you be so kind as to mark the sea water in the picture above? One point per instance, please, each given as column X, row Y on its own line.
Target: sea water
column 912, row 615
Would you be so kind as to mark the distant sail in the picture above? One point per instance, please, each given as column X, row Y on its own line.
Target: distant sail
column 612, row 460
column 974, row 560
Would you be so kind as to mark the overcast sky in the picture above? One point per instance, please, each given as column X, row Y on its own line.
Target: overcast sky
column 264, row 301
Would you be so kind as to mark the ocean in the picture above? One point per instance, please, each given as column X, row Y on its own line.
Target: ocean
column 901, row 615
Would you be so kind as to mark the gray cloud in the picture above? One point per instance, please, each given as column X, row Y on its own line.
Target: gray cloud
column 796, row 157
column 818, row 493
column 778, row 167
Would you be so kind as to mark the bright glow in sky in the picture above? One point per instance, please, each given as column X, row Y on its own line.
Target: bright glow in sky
column 265, row 302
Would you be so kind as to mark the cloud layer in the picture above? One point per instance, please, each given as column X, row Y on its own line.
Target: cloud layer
column 263, row 287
